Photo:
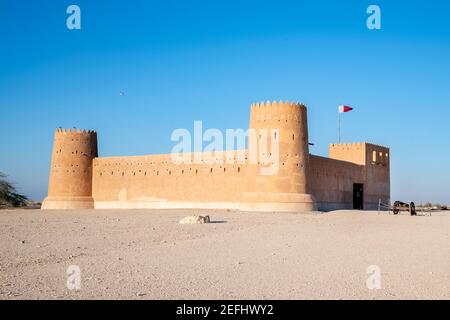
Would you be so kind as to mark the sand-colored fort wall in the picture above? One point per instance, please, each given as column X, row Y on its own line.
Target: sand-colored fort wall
column 156, row 181
column 332, row 182
column 224, row 179
column 350, row 163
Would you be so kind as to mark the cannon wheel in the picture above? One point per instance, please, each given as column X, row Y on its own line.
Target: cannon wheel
column 396, row 205
column 412, row 209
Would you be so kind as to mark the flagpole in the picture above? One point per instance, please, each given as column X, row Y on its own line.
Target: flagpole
column 339, row 126
column 342, row 109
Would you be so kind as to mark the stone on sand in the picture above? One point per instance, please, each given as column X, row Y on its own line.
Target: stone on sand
column 195, row 220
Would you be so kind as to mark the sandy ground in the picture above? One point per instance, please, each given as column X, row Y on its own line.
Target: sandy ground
column 144, row 254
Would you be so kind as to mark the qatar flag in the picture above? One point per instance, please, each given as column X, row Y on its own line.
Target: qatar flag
column 343, row 109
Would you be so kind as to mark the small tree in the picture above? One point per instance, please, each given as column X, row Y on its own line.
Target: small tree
column 9, row 195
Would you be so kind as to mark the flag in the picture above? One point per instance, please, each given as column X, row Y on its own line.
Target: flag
column 343, row 109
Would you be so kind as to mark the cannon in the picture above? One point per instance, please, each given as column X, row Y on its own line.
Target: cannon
column 401, row 206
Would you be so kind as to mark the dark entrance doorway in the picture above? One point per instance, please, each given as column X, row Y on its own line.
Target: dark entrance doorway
column 358, row 192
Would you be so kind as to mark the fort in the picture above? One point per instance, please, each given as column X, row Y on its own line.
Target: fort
column 356, row 175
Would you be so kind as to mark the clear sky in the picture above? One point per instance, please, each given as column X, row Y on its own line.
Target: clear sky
column 180, row 61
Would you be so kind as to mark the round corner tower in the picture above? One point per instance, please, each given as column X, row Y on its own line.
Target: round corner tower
column 285, row 126
column 70, row 181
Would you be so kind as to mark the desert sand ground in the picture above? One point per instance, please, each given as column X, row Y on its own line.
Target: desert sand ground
column 145, row 254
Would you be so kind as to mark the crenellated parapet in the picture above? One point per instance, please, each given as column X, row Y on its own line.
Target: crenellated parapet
column 362, row 153
column 279, row 114
column 276, row 104
column 74, row 131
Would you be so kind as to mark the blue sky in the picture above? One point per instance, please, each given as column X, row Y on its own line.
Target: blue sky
column 180, row 61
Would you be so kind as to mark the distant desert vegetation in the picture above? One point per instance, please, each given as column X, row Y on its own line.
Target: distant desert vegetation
column 10, row 198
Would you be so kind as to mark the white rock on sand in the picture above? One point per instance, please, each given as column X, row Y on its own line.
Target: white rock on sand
column 195, row 220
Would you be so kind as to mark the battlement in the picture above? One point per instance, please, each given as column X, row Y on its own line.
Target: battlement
column 362, row 153
column 279, row 115
column 280, row 105
column 74, row 131
column 353, row 144
column 348, row 144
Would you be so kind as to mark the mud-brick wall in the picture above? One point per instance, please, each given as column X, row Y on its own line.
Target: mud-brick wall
column 156, row 178
column 332, row 182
